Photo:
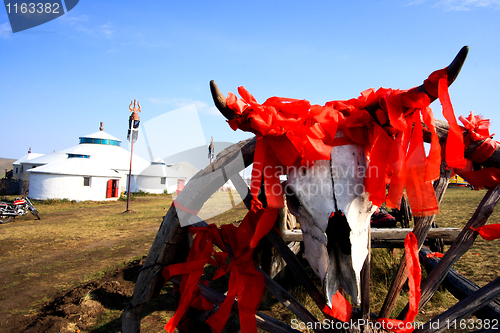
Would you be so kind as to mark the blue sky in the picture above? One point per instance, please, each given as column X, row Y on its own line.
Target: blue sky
column 60, row 79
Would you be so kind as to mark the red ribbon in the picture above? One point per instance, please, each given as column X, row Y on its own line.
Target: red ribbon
column 414, row 277
column 455, row 141
column 177, row 205
column 245, row 281
column 478, row 129
column 484, row 151
column 489, row 232
column 341, row 309
column 434, row 255
column 293, row 133
column 200, row 252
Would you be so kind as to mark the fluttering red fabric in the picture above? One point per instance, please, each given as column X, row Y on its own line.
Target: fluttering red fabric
column 178, row 205
column 489, row 232
column 434, row 255
column 478, row 129
column 414, row 277
column 386, row 122
column 341, row 309
column 245, row 281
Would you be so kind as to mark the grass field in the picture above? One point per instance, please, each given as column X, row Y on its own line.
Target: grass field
column 5, row 164
column 76, row 243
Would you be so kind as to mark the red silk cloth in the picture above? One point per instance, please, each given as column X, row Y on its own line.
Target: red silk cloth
column 478, row 129
column 178, row 205
column 341, row 308
column 434, row 255
column 292, row 133
column 245, row 281
column 489, row 232
column 414, row 277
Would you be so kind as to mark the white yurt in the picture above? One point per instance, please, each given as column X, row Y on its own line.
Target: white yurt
column 159, row 177
column 95, row 169
column 75, row 178
column 22, row 165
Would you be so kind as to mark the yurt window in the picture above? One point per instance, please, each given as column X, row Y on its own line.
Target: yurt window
column 86, row 181
column 163, row 180
column 78, row 156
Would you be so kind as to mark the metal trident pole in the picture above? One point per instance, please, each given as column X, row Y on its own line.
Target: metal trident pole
column 211, row 150
column 133, row 130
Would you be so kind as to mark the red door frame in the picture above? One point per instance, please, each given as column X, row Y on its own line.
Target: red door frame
column 112, row 188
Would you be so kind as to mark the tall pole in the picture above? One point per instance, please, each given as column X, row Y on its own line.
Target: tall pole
column 133, row 130
column 130, row 174
column 211, row 150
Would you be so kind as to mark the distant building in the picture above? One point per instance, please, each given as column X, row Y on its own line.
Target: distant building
column 96, row 169
column 160, row 177
column 20, row 168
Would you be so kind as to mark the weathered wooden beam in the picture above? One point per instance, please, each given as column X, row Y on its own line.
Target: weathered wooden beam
column 461, row 245
column 463, row 309
column 171, row 236
column 459, row 286
column 278, row 264
column 399, row 244
column 264, row 321
column 442, row 129
column 421, row 229
column 291, row 303
column 365, row 282
column 296, row 267
column 383, row 234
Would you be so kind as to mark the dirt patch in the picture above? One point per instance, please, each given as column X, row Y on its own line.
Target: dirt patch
column 81, row 308
column 73, row 245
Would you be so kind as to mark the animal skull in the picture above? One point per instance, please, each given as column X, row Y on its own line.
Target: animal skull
column 335, row 246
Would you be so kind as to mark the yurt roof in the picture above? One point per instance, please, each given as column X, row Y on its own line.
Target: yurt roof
column 27, row 157
column 100, row 135
column 77, row 167
column 186, row 169
column 161, row 170
column 48, row 158
column 113, row 157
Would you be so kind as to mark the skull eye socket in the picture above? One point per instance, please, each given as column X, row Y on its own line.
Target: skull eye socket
column 292, row 201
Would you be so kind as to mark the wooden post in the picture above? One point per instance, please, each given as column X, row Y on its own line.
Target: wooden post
column 171, row 235
column 462, row 244
column 422, row 227
column 463, row 309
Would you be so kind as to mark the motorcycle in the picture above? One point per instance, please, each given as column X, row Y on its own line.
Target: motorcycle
column 18, row 207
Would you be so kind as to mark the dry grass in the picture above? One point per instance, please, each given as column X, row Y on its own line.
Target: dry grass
column 71, row 244
column 77, row 242
column 480, row 264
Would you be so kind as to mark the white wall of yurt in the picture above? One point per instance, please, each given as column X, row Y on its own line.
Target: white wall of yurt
column 72, row 187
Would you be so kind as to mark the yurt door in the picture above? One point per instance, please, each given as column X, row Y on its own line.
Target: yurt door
column 180, row 185
column 109, row 189
column 112, row 188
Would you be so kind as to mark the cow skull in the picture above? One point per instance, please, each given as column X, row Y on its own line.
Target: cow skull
column 334, row 212
column 332, row 207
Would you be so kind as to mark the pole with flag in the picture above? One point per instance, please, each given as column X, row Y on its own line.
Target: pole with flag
column 211, row 150
column 133, row 134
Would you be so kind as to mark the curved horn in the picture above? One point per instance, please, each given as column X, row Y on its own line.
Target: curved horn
column 453, row 70
column 220, row 102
